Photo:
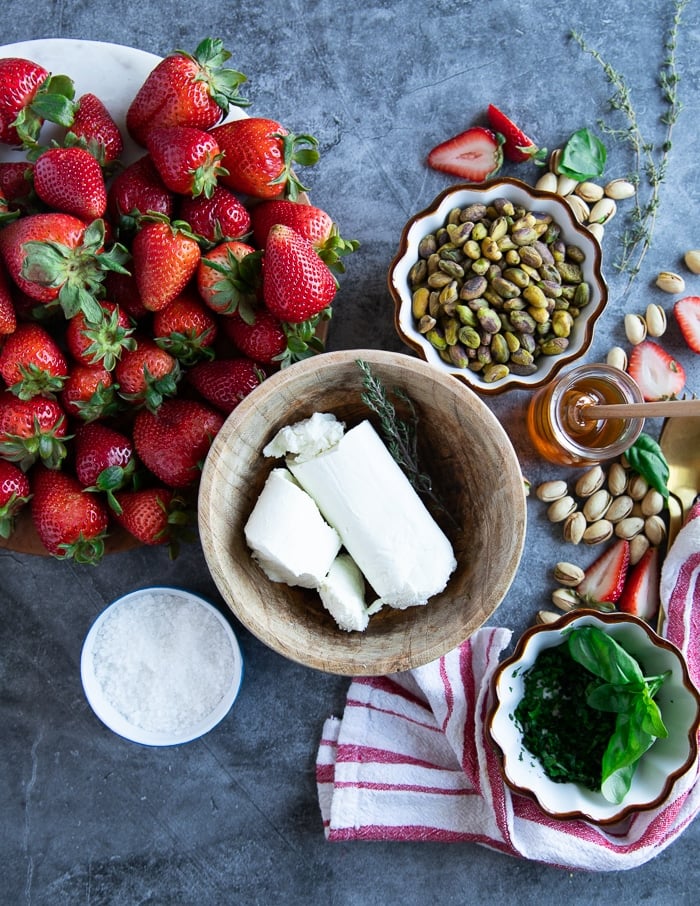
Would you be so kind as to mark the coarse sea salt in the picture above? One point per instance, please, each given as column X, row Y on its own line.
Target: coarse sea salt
column 163, row 661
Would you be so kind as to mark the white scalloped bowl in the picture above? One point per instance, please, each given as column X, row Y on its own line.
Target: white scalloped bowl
column 660, row 768
column 572, row 232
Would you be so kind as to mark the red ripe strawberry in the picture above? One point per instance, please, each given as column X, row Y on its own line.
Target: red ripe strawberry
column 70, row 523
column 147, row 374
column 264, row 340
column 186, row 90
column 185, row 328
column 165, row 257
column 14, row 493
column 104, row 460
column 687, row 313
column 225, row 382
column 28, row 96
column 32, row 430
column 123, row 291
column 89, row 393
column 659, row 375
column 641, row 596
column 8, row 315
column 297, row 284
column 138, row 189
column 56, row 258
column 260, row 156
column 17, row 185
column 174, row 441
column 220, row 217
column 31, row 362
column 229, row 278
column 101, row 342
column 95, row 129
column 310, row 222
column 188, row 159
column 474, row 155
column 71, row 180
column 517, row 146
column 605, row 578
column 154, row 516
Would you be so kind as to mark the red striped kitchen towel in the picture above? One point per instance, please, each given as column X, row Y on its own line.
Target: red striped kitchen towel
column 411, row 759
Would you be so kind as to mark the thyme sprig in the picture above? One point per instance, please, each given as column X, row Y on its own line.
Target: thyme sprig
column 650, row 158
column 400, row 435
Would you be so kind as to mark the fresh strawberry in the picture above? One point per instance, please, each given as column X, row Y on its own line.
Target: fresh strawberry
column 687, row 314
column 17, row 185
column 174, row 441
column 218, row 218
column 186, row 90
column 658, row 374
column 28, row 97
column 123, row 291
column 95, row 129
column 517, row 146
column 640, row 595
column 138, row 189
column 263, row 340
column 260, row 155
column 165, row 257
column 229, row 278
column 32, row 430
column 605, row 578
column 71, row 180
column 311, row 222
column 297, row 284
column 100, row 342
column 14, row 494
column 31, row 362
column 474, row 155
column 8, row 315
column 146, row 374
column 225, row 382
column 55, row 258
column 188, row 159
column 104, row 460
column 155, row 516
column 185, row 328
column 70, row 523
column 89, row 393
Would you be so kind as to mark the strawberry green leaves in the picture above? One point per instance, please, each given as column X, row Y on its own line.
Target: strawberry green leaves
column 625, row 691
column 583, row 156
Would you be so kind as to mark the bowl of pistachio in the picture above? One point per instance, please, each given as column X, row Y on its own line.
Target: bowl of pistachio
column 497, row 284
column 595, row 717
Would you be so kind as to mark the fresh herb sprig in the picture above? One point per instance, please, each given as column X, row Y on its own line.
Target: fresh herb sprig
column 646, row 457
column 400, row 435
column 650, row 158
column 627, row 693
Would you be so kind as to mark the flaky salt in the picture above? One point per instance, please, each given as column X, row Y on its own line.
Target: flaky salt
column 163, row 661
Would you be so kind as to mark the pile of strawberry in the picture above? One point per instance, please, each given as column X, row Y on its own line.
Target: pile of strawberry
column 140, row 303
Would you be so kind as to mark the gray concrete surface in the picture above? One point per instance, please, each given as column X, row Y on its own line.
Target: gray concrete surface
column 88, row 818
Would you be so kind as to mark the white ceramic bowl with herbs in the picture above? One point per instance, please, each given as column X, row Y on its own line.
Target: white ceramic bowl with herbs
column 639, row 689
column 497, row 284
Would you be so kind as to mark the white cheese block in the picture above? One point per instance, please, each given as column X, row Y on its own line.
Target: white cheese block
column 343, row 594
column 307, row 438
column 287, row 534
column 381, row 520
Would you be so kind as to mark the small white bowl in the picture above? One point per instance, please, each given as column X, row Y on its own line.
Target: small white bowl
column 659, row 768
column 572, row 232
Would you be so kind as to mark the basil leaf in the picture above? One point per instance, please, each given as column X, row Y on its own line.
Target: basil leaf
column 612, row 697
column 627, row 745
column 583, row 156
column 601, row 654
column 652, row 721
column 646, row 457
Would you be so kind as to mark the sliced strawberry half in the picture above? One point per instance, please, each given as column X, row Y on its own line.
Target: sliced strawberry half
column 641, row 595
column 473, row 155
column 658, row 374
column 517, row 146
column 605, row 578
column 687, row 313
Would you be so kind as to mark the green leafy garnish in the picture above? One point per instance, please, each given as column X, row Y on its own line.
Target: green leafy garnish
column 646, row 457
column 583, row 156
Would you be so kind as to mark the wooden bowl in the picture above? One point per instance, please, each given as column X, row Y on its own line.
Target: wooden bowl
column 473, row 467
